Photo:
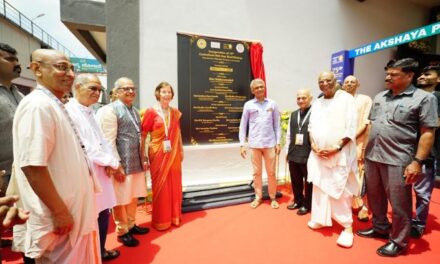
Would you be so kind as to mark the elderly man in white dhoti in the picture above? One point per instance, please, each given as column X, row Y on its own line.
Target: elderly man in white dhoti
column 87, row 90
column 332, row 162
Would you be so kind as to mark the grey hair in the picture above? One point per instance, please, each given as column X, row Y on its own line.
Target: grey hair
column 82, row 79
column 118, row 83
column 257, row 81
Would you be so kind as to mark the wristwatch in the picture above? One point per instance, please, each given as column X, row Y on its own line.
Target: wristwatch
column 419, row 161
column 339, row 147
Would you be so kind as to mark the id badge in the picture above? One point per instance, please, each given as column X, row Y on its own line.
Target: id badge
column 166, row 146
column 299, row 139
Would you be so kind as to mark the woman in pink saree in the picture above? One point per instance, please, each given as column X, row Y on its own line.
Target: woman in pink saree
column 165, row 154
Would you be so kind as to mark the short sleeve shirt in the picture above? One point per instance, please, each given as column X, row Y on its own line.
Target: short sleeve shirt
column 395, row 123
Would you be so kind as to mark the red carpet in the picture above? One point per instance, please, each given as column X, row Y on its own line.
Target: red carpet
column 239, row 234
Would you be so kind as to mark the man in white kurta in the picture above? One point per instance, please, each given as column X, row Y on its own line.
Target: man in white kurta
column 120, row 123
column 332, row 162
column 51, row 172
column 87, row 89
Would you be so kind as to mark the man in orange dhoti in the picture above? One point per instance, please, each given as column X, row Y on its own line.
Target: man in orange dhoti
column 363, row 106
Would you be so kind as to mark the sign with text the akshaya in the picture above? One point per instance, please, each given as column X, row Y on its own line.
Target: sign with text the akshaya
column 415, row 34
column 213, row 80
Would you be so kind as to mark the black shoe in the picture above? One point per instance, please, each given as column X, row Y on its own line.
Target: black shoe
column 371, row 233
column 417, row 231
column 137, row 230
column 302, row 211
column 27, row 260
column 109, row 255
column 293, row 206
column 390, row 249
column 128, row 240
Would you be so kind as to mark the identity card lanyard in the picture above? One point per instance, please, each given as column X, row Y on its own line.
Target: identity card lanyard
column 299, row 137
column 166, row 142
column 75, row 131
column 134, row 120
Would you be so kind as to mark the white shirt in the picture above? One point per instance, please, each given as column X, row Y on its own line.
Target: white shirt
column 43, row 136
column 108, row 121
column 98, row 149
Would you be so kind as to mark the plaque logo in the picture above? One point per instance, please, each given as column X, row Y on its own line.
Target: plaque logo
column 201, row 43
column 239, row 48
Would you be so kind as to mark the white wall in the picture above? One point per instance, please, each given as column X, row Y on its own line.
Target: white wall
column 298, row 38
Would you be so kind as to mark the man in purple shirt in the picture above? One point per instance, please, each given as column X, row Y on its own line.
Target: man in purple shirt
column 262, row 117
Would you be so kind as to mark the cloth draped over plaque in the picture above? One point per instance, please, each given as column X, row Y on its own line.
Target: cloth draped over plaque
column 256, row 59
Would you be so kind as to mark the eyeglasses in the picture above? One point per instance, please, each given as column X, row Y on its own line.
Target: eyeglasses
column 95, row 89
column 127, row 89
column 64, row 67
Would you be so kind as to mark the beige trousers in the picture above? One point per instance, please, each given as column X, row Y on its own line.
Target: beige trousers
column 125, row 216
column 257, row 156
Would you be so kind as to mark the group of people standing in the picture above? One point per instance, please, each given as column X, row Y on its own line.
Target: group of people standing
column 346, row 146
column 72, row 167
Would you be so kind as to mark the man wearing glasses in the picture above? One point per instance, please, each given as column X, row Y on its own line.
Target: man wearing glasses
column 87, row 89
column 403, row 121
column 120, row 123
column 52, row 175
column 262, row 116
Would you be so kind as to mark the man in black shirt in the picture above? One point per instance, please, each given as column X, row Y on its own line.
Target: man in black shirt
column 298, row 144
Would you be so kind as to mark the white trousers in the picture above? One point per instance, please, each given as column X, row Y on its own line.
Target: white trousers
column 324, row 208
column 86, row 250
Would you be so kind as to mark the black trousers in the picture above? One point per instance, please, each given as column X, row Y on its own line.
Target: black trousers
column 103, row 220
column 386, row 183
column 302, row 190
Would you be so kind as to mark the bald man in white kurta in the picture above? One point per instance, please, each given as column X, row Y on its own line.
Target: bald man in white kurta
column 43, row 137
column 333, row 178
